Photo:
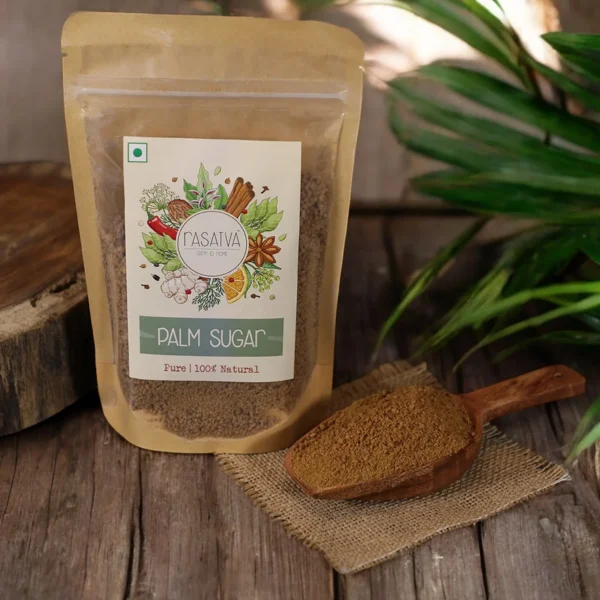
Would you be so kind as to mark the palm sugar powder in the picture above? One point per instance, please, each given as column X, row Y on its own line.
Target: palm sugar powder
column 387, row 433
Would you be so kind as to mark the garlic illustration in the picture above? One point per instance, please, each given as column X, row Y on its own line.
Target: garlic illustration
column 179, row 285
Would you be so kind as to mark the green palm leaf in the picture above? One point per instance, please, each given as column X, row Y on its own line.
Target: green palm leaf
column 422, row 281
column 455, row 151
column 591, row 318
column 538, row 161
column 461, row 190
column 527, row 169
column 486, row 131
column 586, row 441
column 581, row 43
column 579, row 51
column 518, row 173
column 551, row 315
column 548, row 255
column 571, row 87
column 499, row 307
column 589, row 244
column 508, row 268
column 496, row 26
column 573, row 338
column 509, row 100
column 586, row 433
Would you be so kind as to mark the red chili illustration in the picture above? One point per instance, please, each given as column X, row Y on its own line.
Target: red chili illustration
column 159, row 227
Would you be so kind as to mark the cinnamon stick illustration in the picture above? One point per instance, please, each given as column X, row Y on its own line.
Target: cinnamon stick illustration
column 245, row 199
column 241, row 195
column 233, row 195
column 237, row 184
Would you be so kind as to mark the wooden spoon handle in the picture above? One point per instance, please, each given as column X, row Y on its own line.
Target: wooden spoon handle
column 537, row 387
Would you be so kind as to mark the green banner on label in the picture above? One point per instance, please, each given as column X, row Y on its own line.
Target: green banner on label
column 171, row 336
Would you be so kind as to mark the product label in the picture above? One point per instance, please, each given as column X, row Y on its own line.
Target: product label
column 212, row 229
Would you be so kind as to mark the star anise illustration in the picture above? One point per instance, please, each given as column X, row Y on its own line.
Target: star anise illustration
column 261, row 251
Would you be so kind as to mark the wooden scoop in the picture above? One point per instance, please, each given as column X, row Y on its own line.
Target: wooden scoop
column 513, row 395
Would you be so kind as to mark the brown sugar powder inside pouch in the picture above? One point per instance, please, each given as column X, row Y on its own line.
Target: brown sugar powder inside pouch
column 212, row 162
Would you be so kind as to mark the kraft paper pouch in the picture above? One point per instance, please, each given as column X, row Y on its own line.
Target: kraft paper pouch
column 212, row 161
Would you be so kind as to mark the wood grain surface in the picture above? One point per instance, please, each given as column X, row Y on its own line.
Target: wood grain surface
column 516, row 394
column 46, row 347
column 39, row 239
column 84, row 515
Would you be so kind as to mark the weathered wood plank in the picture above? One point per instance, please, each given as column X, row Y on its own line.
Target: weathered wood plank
column 518, row 559
column 367, row 292
column 65, row 531
column 201, row 537
column 43, row 248
column 393, row 579
column 565, row 416
column 366, row 295
column 545, row 548
column 43, row 301
column 448, row 566
column 86, row 515
column 581, row 16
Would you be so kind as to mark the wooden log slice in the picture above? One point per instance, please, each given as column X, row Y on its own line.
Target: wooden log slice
column 46, row 345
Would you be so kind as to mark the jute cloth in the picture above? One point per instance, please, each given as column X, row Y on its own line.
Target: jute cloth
column 354, row 535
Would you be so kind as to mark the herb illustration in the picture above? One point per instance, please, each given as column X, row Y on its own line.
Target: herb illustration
column 166, row 212
column 262, row 217
column 263, row 279
column 211, row 294
column 161, row 250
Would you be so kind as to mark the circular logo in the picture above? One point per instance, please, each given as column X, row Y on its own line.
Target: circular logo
column 212, row 243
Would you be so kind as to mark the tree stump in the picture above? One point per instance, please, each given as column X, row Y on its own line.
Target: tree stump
column 46, row 344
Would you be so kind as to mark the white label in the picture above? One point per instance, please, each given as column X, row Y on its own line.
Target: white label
column 212, row 230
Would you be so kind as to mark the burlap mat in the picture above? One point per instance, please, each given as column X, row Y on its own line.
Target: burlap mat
column 354, row 535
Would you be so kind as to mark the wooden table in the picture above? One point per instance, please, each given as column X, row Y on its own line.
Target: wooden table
column 84, row 515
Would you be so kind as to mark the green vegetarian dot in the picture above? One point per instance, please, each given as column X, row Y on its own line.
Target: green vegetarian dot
column 137, row 152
